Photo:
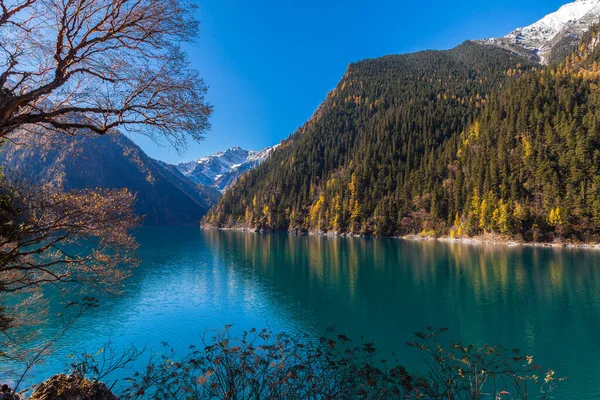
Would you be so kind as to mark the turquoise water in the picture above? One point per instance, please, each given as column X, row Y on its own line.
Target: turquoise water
column 543, row 301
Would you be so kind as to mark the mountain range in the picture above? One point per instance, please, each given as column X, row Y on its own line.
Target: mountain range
column 222, row 169
column 166, row 194
column 495, row 136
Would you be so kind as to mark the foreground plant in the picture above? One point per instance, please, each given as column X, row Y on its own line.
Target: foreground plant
column 264, row 365
column 460, row 371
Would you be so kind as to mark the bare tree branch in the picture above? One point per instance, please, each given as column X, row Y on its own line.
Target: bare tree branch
column 101, row 65
column 65, row 237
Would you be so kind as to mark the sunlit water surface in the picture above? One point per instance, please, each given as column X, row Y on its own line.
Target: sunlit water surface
column 543, row 301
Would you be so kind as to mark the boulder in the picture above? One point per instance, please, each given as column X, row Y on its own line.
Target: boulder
column 72, row 387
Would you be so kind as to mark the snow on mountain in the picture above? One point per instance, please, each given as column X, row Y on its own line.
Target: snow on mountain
column 222, row 169
column 566, row 25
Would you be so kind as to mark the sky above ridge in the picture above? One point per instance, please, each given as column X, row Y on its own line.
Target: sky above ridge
column 270, row 63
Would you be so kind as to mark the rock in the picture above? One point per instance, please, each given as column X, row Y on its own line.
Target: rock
column 71, row 387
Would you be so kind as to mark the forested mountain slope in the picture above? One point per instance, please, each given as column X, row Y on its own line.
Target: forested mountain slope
column 365, row 160
column 530, row 164
column 400, row 147
column 164, row 195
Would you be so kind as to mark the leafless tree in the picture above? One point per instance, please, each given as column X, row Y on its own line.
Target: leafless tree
column 99, row 65
column 84, row 67
column 88, row 67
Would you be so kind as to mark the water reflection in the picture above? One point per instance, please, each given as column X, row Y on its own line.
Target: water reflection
column 544, row 301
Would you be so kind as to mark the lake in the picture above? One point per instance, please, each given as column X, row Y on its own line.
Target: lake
column 543, row 301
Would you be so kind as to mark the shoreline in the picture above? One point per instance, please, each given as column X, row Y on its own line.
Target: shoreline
column 476, row 240
column 500, row 241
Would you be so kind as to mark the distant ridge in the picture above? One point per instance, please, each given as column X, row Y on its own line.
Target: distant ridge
column 164, row 195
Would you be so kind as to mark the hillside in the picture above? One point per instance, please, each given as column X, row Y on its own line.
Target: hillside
column 463, row 142
column 530, row 165
column 164, row 196
column 362, row 157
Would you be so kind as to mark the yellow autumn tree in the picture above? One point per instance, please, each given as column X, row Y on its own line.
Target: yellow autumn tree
column 315, row 212
column 556, row 217
column 527, row 147
column 355, row 217
column 475, row 130
column 474, row 211
column 248, row 216
column 352, row 186
column 337, row 213
column 520, row 213
column 484, row 222
column 292, row 218
column 501, row 217
column 486, row 211
column 355, row 208
column 456, row 230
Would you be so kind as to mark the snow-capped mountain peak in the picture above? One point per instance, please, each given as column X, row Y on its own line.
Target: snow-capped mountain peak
column 223, row 168
column 538, row 40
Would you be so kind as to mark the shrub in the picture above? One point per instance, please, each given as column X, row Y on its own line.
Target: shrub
column 264, row 365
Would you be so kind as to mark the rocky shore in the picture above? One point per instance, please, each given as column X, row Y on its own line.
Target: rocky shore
column 476, row 240
column 504, row 241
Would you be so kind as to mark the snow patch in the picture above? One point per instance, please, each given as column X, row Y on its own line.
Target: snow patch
column 222, row 169
column 540, row 38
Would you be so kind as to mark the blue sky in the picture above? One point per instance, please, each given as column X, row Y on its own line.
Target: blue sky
column 269, row 64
